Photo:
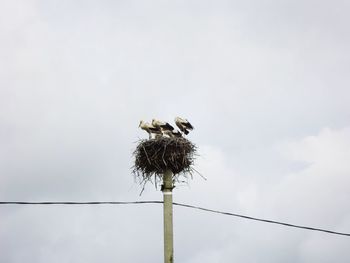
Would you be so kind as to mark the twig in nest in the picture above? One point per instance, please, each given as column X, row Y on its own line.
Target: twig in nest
column 154, row 156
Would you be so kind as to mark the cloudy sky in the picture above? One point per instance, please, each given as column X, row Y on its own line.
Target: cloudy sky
column 265, row 83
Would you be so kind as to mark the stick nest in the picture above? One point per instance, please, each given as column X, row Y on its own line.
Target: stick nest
column 154, row 156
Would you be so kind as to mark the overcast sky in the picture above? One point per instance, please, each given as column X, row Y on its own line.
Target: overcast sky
column 265, row 84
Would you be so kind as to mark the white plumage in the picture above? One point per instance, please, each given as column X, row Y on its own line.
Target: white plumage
column 150, row 129
column 158, row 128
column 183, row 124
column 162, row 125
column 172, row 134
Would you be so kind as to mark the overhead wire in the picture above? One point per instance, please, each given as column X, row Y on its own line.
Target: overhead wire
column 177, row 204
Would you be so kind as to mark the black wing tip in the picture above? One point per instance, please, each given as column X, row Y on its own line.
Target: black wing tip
column 154, row 130
column 188, row 126
column 168, row 126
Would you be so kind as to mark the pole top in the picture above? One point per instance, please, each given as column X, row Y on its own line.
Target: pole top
column 167, row 185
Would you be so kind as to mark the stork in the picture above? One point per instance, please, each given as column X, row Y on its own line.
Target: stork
column 176, row 133
column 172, row 134
column 168, row 133
column 164, row 126
column 183, row 125
column 150, row 129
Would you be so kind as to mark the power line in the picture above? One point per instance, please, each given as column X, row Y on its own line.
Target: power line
column 178, row 204
column 264, row 220
column 81, row 203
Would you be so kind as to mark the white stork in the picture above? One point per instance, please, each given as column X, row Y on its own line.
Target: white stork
column 164, row 126
column 176, row 133
column 172, row 134
column 149, row 128
column 183, row 125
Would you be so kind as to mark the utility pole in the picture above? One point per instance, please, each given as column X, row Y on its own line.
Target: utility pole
column 167, row 189
column 166, row 158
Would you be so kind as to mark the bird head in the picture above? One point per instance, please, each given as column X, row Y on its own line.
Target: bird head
column 141, row 121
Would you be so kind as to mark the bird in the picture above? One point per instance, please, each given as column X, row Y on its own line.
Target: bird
column 168, row 133
column 172, row 134
column 162, row 125
column 176, row 133
column 183, row 125
column 150, row 129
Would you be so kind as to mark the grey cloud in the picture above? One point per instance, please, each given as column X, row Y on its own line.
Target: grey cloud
column 257, row 79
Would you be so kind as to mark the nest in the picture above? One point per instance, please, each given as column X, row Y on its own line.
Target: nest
column 154, row 156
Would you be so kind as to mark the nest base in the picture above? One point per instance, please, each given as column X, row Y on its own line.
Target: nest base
column 154, row 156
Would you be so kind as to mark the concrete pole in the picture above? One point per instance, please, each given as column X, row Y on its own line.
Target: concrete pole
column 168, row 216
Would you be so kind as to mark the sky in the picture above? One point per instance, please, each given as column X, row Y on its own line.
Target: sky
column 264, row 83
